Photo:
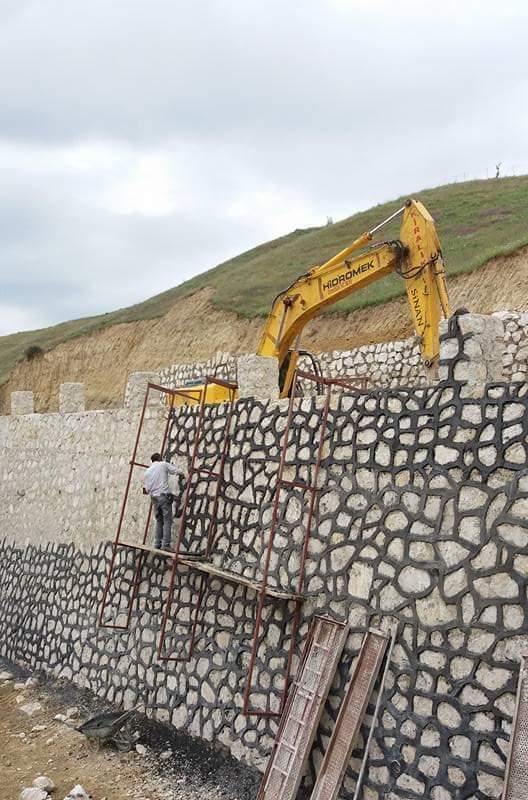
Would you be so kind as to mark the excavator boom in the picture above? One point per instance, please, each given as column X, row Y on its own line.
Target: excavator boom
column 416, row 256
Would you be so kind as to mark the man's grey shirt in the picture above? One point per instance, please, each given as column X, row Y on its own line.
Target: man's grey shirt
column 156, row 477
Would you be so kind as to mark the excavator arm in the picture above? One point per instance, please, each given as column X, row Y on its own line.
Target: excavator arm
column 416, row 256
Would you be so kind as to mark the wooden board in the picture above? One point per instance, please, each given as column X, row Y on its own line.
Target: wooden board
column 211, row 569
column 516, row 776
column 200, row 565
column 350, row 717
column 147, row 548
column 303, row 710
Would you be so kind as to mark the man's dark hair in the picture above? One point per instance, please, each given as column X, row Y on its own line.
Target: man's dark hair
column 156, row 457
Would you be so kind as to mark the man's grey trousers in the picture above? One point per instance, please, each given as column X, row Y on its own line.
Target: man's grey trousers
column 163, row 513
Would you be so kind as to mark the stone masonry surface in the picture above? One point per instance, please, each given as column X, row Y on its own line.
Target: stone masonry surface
column 63, row 475
column 421, row 522
column 386, row 364
column 22, row 403
column 471, row 351
column 71, row 398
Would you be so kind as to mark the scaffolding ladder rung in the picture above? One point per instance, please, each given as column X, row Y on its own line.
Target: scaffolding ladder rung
column 318, row 674
column 281, row 771
column 288, row 746
column 321, row 647
column 205, row 471
column 307, row 487
column 306, row 693
column 297, row 720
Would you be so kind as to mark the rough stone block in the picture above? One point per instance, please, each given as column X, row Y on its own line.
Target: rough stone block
column 471, row 347
column 71, row 398
column 22, row 403
column 136, row 388
column 258, row 376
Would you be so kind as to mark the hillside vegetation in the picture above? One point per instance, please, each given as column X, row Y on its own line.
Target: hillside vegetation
column 477, row 221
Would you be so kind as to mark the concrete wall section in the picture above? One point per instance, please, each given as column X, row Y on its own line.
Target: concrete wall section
column 63, row 475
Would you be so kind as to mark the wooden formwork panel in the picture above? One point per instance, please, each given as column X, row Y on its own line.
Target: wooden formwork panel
column 303, row 710
column 350, row 716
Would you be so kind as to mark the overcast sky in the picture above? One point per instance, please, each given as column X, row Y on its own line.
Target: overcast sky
column 143, row 141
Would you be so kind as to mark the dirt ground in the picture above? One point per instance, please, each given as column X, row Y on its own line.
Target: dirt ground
column 40, row 745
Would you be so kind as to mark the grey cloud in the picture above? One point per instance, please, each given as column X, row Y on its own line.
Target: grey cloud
column 144, row 71
column 266, row 116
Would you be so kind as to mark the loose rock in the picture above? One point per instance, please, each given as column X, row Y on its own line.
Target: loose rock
column 31, row 708
column 78, row 793
column 33, row 793
column 44, row 783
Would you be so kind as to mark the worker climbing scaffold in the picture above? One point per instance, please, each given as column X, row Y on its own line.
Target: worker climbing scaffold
column 156, row 484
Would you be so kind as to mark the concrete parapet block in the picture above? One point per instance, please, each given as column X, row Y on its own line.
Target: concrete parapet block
column 471, row 350
column 71, row 398
column 22, row 403
column 258, row 376
column 136, row 388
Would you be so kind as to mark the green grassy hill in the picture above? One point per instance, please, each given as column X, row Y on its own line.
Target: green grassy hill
column 477, row 220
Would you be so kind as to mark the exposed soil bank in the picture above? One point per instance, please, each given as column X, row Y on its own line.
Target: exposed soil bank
column 194, row 330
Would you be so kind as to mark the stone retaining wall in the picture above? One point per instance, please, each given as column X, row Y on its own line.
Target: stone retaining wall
column 386, row 364
column 222, row 365
column 63, row 475
column 515, row 356
column 421, row 522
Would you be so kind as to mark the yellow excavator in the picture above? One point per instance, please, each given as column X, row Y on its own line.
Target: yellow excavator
column 416, row 256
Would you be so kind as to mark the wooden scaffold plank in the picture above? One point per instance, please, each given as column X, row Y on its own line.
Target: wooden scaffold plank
column 303, row 710
column 516, row 777
column 350, row 717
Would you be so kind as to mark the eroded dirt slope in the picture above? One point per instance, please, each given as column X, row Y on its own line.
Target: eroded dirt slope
column 194, row 329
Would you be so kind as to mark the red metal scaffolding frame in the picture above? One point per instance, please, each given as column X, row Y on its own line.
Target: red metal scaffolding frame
column 329, row 384
column 199, row 563
column 190, row 394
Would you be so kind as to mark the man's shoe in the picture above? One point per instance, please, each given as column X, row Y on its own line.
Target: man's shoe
column 167, row 548
column 157, row 545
